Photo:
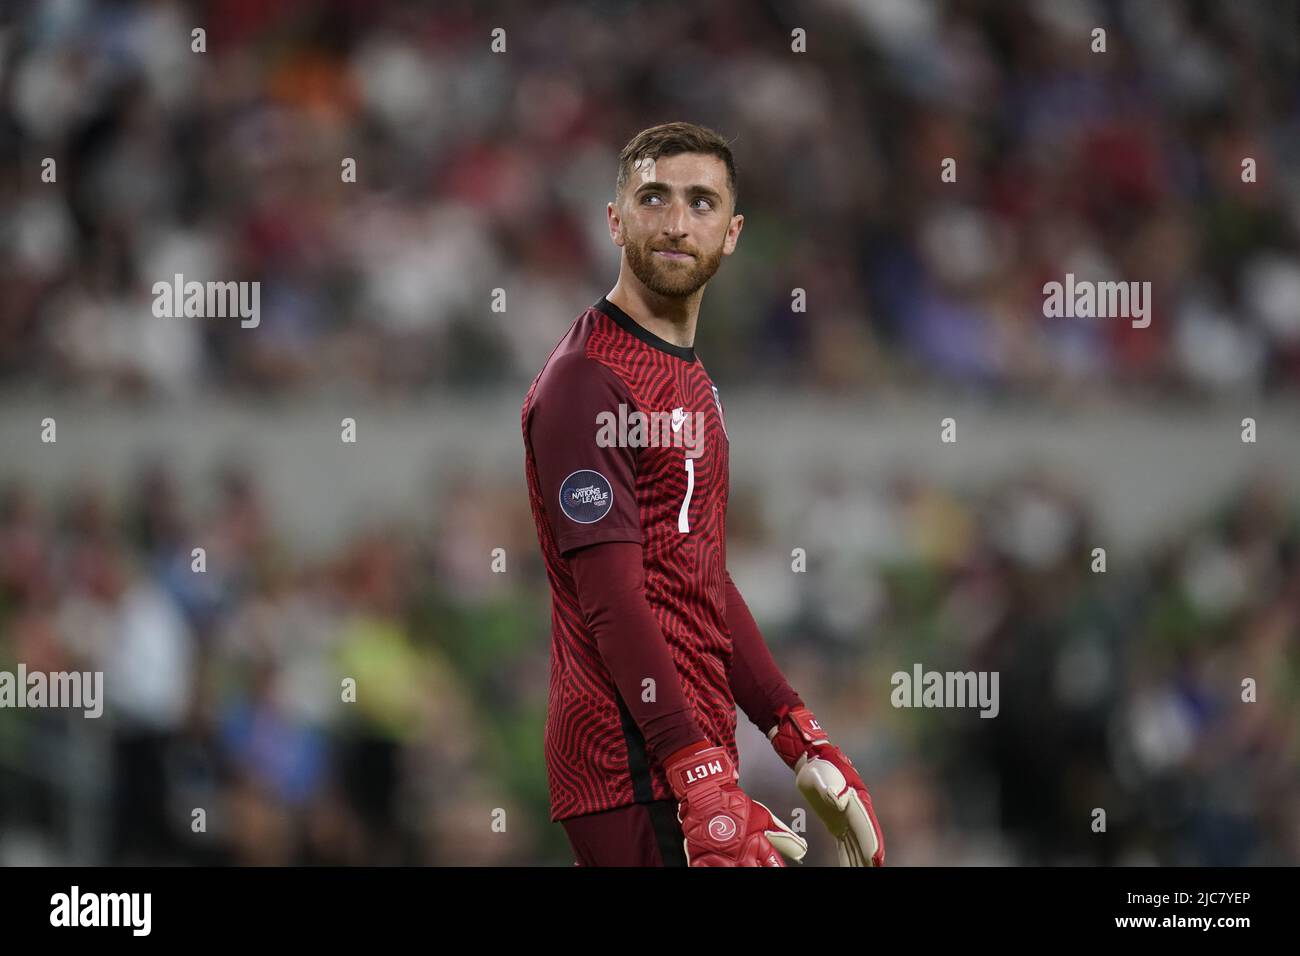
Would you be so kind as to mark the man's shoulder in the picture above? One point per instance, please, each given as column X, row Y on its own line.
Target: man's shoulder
column 577, row 360
column 575, row 367
column 577, row 375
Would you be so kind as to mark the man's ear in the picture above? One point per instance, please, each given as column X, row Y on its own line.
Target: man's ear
column 733, row 234
column 615, row 221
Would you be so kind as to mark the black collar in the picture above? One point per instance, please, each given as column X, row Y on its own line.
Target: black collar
column 632, row 327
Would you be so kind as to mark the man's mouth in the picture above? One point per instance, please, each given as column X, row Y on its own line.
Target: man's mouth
column 671, row 254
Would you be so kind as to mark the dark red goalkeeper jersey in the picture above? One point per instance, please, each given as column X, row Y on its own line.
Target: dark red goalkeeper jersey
column 625, row 441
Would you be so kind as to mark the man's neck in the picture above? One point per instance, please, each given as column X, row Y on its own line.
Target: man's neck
column 673, row 320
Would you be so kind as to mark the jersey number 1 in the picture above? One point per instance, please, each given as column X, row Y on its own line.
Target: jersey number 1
column 683, row 518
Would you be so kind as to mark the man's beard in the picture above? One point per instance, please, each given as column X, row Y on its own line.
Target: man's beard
column 674, row 280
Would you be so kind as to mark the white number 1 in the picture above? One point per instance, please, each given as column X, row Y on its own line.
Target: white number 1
column 683, row 520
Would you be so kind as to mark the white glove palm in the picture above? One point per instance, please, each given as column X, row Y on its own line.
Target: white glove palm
column 835, row 791
column 841, row 808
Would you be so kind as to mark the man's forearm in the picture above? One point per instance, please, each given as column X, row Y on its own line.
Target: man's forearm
column 756, row 682
column 610, row 582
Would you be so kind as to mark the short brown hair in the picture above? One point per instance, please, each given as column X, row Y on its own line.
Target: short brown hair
column 669, row 139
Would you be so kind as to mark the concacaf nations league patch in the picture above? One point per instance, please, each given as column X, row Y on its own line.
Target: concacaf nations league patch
column 586, row 496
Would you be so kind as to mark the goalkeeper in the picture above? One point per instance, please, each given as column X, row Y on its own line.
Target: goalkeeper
column 652, row 645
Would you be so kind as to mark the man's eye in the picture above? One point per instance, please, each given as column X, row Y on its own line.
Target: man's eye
column 708, row 203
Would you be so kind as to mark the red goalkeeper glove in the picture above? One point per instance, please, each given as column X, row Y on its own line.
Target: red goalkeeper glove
column 721, row 824
column 826, row 777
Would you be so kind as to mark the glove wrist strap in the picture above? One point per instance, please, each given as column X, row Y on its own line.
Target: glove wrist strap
column 795, row 735
column 698, row 766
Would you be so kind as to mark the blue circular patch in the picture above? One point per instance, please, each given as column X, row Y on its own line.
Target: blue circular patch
column 586, row 496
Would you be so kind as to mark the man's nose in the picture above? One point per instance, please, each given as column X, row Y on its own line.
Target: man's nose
column 675, row 221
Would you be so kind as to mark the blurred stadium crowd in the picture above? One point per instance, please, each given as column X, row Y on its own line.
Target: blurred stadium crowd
column 1119, row 690
column 480, row 171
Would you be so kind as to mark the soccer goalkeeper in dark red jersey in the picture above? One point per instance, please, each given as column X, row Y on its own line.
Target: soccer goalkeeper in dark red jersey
column 652, row 645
